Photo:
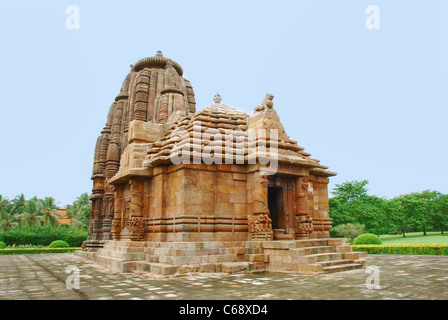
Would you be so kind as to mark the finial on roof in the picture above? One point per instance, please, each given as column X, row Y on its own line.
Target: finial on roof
column 159, row 54
column 217, row 99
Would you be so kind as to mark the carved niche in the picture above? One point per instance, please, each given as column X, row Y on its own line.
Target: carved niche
column 259, row 222
column 260, row 195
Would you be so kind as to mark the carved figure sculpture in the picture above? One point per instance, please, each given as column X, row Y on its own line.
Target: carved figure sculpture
column 266, row 104
column 260, row 195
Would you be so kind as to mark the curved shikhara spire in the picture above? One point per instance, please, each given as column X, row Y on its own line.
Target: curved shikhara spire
column 152, row 91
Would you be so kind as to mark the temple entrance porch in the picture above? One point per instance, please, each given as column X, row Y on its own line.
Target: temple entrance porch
column 281, row 207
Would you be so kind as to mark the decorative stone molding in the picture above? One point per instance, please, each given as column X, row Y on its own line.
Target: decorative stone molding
column 305, row 224
column 260, row 223
column 136, row 228
column 116, row 229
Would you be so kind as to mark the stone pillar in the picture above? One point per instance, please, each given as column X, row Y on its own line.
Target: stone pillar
column 260, row 224
column 118, row 212
column 304, row 221
column 112, row 166
column 321, row 218
column 136, row 222
column 95, row 218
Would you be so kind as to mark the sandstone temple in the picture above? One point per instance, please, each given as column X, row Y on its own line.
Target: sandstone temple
column 178, row 191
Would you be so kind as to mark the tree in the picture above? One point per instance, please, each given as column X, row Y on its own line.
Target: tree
column 350, row 191
column 80, row 209
column 427, row 201
column 7, row 218
column 31, row 215
column 401, row 214
column 340, row 212
column 440, row 216
column 49, row 212
column 349, row 231
column 346, row 201
column 352, row 205
column 372, row 213
column 4, row 203
column 18, row 204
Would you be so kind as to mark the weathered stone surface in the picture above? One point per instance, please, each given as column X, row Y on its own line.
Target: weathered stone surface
column 164, row 173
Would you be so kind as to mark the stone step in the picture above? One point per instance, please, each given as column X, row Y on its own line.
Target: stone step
column 318, row 257
column 319, row 242
column 236, row 267
column 317, row 249
column 354, row 255
column 170, row 270
column 336, row 262
column 156, row 268
column 344, row 248
column 342, row 267
column 283, row 236
column 310, row 243
column 125, row 256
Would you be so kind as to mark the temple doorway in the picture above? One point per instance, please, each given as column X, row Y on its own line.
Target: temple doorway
column 276, row 209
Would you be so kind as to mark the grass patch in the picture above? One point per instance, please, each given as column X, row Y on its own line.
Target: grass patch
column 416, row 238
column 411, row 249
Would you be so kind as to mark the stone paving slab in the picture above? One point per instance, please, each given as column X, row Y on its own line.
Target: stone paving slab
column 43, row 277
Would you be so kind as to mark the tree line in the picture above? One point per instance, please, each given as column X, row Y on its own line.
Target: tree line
column 417, row 211
column 21, row 213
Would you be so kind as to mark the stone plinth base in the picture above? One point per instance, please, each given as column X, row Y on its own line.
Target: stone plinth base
column 313, row 256
column 92, row 245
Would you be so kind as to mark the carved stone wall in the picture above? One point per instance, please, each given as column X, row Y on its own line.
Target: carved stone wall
column 140, row 194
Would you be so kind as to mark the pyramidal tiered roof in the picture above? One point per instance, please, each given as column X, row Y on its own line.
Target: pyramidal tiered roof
column 225, row 135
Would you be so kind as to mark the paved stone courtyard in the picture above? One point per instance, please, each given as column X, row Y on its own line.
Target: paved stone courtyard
column 44, row 277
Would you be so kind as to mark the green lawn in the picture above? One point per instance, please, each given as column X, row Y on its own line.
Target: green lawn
column 415, row 237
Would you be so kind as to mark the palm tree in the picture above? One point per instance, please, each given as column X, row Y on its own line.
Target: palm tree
column 2, row 201
column 80, row 209
column 18, row 204
column 48, row 211
column 7, row 219
column 31, row 215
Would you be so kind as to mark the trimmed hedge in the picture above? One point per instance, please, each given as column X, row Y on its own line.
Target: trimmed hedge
column 59, row 244
column 37, row 250
column 411, row 249
column 367, row 238
column 2, row 245
column 44, row 236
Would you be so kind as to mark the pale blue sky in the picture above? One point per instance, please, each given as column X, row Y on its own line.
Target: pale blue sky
column 370, row 104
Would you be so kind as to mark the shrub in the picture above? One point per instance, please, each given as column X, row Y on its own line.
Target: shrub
column 44, row 236
column 37, row 250
column 349, row 231
column 59, row 244
column 411, row 249
column 2, row 245
column 367, row 238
